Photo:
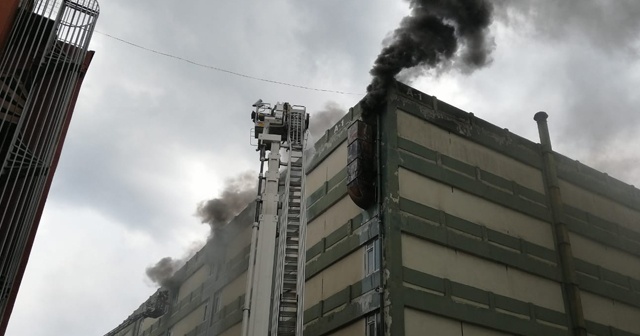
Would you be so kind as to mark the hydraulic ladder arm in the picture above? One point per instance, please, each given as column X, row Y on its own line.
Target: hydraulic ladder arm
column 275, row 279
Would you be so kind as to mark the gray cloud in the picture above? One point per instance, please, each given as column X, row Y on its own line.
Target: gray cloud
column 598, row 40
column 611, row 26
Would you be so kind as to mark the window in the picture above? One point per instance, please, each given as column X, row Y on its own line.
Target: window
column 372, row 325
column 371, row 259
column 204, row 316
column 215, row 306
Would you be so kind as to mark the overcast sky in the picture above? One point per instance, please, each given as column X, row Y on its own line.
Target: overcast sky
column 153, row 136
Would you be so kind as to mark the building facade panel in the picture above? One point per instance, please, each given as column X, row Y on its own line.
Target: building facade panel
column 339, row 214
column 313, row 291
column 235, row 330
column 474, row 209
column 234, row 290
column 428, row 135
column 336, row 161
column 472, row 330
column 610, row 312
column 238, row 244
column 189, row 322
column 193, row 282
column 443, row 262
column 315, row 230
column 316, row 179
column 332, row 219
column 420, row 323
column 356, row 328
column 326, row 168
column 417, row 323
column 600, row 206
column 605, row 256
column 343, row 273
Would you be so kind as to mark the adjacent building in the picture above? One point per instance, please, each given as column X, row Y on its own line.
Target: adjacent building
column 471, row 230
column 43, row 59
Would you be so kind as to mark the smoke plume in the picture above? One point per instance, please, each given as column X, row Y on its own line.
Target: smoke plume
column 238, row 192
column 434, row 32
column 161, row 272
column 319, row 122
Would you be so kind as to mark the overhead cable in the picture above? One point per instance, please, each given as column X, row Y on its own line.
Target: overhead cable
column 225, row 70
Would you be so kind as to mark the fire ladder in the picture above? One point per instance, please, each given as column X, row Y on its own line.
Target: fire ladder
column 274, row 299
column 289, row 278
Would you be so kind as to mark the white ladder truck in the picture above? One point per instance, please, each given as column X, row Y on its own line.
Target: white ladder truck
column 275, row 278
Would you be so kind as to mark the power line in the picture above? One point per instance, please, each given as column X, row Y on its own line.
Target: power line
column 224, row 70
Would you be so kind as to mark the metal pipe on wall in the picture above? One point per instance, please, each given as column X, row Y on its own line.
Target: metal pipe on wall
column 570, row 288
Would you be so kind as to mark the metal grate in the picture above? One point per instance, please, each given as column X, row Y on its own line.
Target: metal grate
column 39, row 71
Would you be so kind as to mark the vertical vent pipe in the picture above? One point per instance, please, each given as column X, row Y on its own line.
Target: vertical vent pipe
column 573, row 303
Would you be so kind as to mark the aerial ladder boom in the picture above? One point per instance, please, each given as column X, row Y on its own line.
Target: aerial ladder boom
column 275, row 278
column 154, row 307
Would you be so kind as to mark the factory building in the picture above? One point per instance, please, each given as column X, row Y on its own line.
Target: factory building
column 426, row 220
column 43, row 59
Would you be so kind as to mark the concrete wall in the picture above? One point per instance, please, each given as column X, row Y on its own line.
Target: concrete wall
column 349, row 269
column 193, row 282
column 336, row 292
column 453, row 210
column 474, row 209
column 447, row 263
column 335, row 278
column 610, row 312
column 233, row 290
column 470, row 271
column 325, row 170
column 424, row 324
column 344, row 272
column 238, row 243
column 236, row 330
column 430, row 136
column 600, row 206
column 330, row 220
column 356, row 328
column 189, row 322
column 597, row 308
column 605, row 256
column 147, row 322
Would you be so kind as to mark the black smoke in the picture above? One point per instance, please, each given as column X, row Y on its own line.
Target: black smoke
column 163, row 270
column 433, row 34
column 237, row 194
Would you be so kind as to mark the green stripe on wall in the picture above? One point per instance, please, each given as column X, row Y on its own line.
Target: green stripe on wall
column 501, row 140
column 326, row 201
column 472, row 186
column 447, row 230
column 349, row 314
column 578, row 221
column 343, row 248
column 344, row 296
column 488, row 312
